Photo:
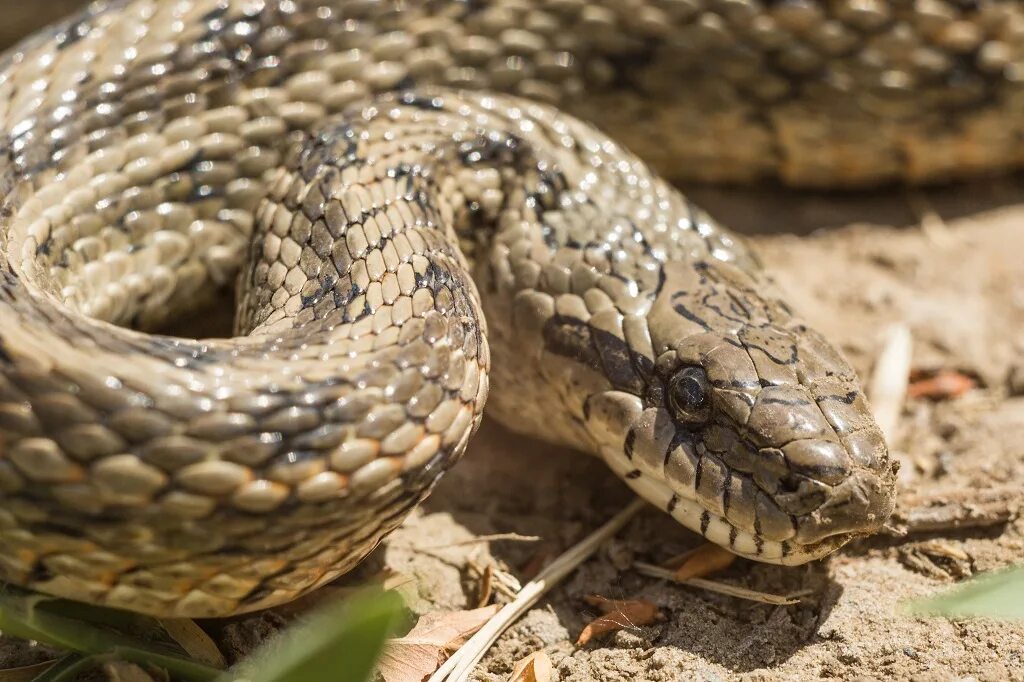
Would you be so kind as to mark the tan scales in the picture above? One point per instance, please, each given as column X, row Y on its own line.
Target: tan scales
column 401, row 190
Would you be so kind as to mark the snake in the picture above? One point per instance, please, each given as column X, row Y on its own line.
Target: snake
column 423, row 206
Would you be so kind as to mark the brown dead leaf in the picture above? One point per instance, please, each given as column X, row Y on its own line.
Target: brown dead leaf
column 194, row 640
column 618, row 614
column 534, row 668
column 485, row 589
column 434, row 638
column 703, row 561
column 942, row 385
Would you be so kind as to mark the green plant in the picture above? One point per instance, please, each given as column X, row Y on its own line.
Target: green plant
column 338, row 643
column 997, row 595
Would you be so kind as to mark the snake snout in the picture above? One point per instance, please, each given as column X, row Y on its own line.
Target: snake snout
column 837, row 488
column 858, row 506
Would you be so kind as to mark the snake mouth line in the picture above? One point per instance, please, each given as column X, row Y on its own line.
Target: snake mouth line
column 716, row 528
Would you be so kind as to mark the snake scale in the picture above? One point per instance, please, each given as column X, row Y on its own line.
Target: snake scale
column 401, row 191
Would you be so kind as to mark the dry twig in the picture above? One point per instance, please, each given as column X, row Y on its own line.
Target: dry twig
column 713, row 586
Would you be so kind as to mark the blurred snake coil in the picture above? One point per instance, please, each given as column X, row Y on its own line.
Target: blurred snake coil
column 423, row 205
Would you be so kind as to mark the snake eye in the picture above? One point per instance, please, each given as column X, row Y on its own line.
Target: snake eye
column 688, row 394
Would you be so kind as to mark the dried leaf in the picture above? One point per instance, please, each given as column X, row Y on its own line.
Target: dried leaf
column 486, row 588
column 704, row 561
column 194, row 640
column 619, row 614
column 534, row 668
column 433, row 639
column 942, row 385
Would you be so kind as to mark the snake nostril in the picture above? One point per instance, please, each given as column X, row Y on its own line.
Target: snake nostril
column 789, row 484
column 800, row 495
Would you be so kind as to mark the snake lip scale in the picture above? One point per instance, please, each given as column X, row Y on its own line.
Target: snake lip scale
column 402, row 191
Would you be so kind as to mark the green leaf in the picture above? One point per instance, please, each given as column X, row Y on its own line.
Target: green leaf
column 339, row 643
column 57, row 622
column 996, row 595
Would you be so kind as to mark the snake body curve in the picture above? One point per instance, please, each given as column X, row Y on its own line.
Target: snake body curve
column 402, row 190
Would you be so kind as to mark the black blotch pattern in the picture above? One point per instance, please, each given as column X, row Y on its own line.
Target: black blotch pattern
column 571, row 338
column 617, row 358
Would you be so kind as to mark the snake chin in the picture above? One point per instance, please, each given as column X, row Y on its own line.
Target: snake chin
column 718, row 529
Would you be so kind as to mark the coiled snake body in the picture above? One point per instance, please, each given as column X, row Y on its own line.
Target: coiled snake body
column 400, row 196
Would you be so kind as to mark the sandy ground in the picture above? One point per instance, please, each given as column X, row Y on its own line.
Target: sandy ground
column 946, row 262
column 960, row 288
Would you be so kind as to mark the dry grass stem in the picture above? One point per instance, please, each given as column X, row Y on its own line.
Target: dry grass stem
column 713, row 586
column 887, row 388
column 460, row 665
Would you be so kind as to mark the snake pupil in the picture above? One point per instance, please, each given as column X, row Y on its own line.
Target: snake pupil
column 688, row 393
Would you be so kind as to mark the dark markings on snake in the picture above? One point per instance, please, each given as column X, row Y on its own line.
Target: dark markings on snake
column 635, row 473
column 732, row 536
column 625, row 66
column 671, row 507
column 571, row 338
column 413, row 99
column 776, row 400
column 737, row 383
column 791, row 360
column 847, row 399
column 326, row 286
column 705, row 520
column 686, row 312
column 214, row 14
column 726, row 491
column 627, row 447
column 434, row 277
column 5, row 358
column 698, row 472
column 785, row 548
column 734, row 342
column 40, row 573
column 758, row 532
column 709, row 302
column 74, row 32
column 739, row 306
column 349, row 317
column 617, row 359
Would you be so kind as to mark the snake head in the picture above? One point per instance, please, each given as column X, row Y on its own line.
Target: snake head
column 752, row 428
